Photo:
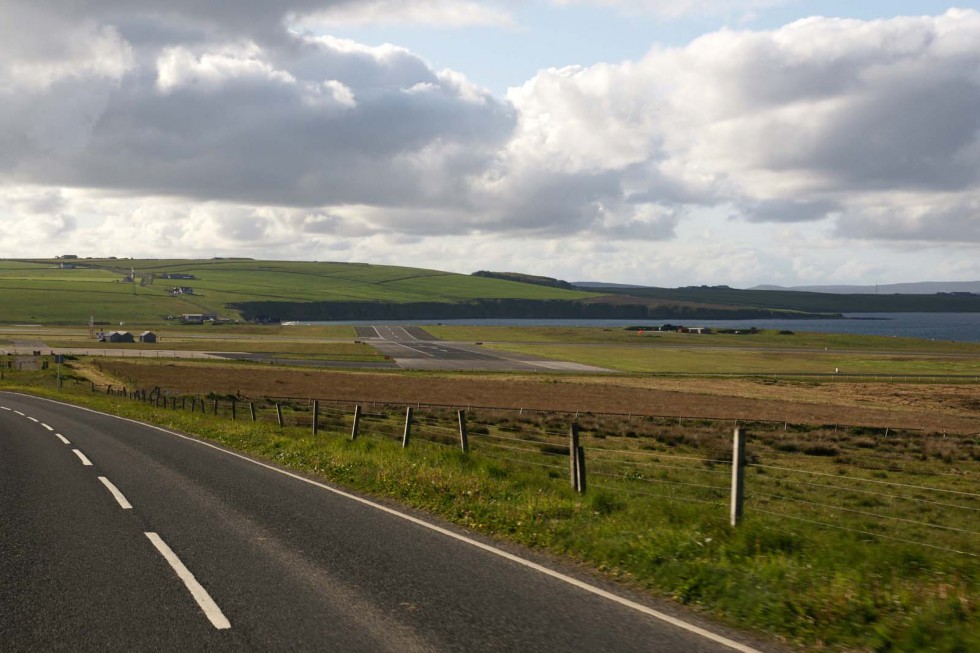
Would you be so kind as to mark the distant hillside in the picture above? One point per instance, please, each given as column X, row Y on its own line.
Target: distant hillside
column 601, row 285
column 526, row 278
column 812, row 302
column 922, row 288
column 70, row 290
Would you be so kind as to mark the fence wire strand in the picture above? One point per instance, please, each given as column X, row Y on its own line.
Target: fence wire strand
column 868, row 533
column 866, row 480
column 866, row 513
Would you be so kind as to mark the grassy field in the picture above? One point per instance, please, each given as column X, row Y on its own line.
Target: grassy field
column 701, row 360
column 854, row 539
column 41, row 291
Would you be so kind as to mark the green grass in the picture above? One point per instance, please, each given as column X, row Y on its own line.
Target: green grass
column 764, row 338
column 663, row 360
column 817, row 586
column 39, row 291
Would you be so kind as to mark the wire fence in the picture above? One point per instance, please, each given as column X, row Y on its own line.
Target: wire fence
column 925, row 495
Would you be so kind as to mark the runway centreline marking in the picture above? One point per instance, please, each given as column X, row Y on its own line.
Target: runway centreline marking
column 204, row 600
column 119, row 496
column 62, row 438
column 592, row 589
column 81, row 456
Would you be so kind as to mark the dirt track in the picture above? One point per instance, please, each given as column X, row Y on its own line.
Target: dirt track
column 950, row 408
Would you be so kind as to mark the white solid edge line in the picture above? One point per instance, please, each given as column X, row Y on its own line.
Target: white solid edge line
column 62, row 438
column 674, row 621
column 120, row 498
column 81, row 456
column 46, row 426
column 204, row 600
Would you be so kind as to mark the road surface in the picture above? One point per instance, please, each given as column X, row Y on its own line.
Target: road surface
column 414, row 348
column 122, row 536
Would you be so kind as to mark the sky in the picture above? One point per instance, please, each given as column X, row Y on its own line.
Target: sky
column 656, row 142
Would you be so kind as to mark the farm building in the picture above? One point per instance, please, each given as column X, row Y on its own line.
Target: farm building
column 119, row 336
column 148, row 336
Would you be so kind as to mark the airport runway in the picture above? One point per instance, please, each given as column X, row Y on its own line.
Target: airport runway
column 413, row 348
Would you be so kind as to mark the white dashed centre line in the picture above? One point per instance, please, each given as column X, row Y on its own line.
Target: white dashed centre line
column 62, row 438
column 4, row 408
column 19, row 413
column 46, row 426
column 81, row 456
column 120, row 498
column 33, row 419
column 210, row 608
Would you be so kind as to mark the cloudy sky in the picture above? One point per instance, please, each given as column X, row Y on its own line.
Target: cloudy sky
column 664, row 142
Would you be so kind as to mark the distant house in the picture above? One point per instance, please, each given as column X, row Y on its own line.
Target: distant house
column 698, row 330
column 192, row 318
column 148, row 336
column 119, row 336
column 67, row 266
column 176, row 275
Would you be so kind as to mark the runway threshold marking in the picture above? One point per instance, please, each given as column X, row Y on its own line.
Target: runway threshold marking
column 204, row 600
column 564, row 578
column 117, row 495
column 81, row 456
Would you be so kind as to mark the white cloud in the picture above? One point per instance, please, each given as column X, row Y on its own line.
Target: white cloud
column 441, row 13
column 199, row 129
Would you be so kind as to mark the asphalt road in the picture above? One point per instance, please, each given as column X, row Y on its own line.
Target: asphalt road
column 120, row 536
column 414, row 348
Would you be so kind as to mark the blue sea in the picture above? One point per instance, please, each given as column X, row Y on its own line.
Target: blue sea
column 961, row 327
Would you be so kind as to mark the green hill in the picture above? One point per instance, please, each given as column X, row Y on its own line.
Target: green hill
column 70, row 290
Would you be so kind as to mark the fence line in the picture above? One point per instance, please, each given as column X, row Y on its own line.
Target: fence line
column 492, row 436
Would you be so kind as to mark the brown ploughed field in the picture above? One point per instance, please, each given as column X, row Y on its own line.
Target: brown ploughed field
column 933, row 407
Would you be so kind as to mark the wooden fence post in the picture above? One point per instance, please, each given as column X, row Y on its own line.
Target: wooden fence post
column 215, row 406
column 316, row 416
column 408, row 427
column 251, row 410
column 279, row 415
column 464, row 441
column 234, row 406
column 573, row 455
column 738, row 475
column 194, row 404
column 580, row 462
column 357, row 422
